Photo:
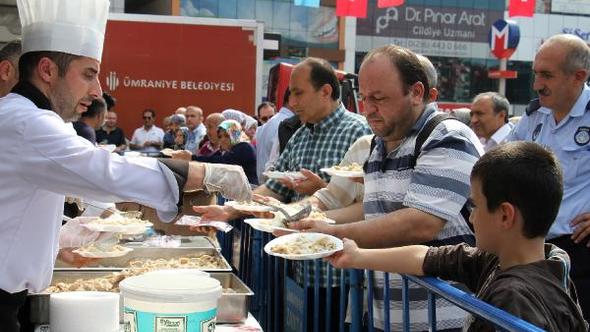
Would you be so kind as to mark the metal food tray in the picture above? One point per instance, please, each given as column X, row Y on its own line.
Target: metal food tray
column 197, row 241
column 232, row 307
column 119, row 263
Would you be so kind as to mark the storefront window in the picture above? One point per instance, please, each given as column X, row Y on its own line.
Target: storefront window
column 298, row 26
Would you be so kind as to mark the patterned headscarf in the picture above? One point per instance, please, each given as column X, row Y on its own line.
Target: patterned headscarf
column 233, row 129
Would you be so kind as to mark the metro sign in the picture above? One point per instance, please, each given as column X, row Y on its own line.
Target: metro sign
column 503, row 38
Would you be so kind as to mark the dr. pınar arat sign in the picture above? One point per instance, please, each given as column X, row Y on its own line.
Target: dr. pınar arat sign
column 418, row 22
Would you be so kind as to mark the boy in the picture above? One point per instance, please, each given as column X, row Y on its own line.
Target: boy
column 516, row 190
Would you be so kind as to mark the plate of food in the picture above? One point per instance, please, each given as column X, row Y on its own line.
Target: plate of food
column 353, row 170
column 167, row 152
column 117, row 223
column 268, row 225
column 93, row 250
column 284, row 175
column 108, row 147
column 250, row 206
column 316, row 214
column 304, row 246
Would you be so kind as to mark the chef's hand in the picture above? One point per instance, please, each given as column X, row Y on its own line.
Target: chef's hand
column 74, row 235
column 181, row 155
column 229, row 180
column 581, row 227
column 67, row 256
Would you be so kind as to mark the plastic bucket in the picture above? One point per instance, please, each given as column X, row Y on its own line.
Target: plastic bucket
column 194, row 272
column 170, row 302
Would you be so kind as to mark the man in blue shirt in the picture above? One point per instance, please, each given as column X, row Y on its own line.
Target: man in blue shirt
column 560, row 120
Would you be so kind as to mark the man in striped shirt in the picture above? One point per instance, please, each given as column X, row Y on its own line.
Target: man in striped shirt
column 402, row 204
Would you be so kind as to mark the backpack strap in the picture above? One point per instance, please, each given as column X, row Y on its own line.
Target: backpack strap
column 422, row 137
column 373, row 143
column 425, row 133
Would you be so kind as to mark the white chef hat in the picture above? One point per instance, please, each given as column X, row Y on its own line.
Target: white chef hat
column 74, row 27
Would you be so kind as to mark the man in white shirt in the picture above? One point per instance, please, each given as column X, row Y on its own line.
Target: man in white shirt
column 196, row 128
column 147, row 138
column 45, row 159
column 489, row 119
column 266, row 110
column 267, row 137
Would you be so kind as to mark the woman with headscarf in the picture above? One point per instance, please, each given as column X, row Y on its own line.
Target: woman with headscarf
column 248, row 123
column 236, row 149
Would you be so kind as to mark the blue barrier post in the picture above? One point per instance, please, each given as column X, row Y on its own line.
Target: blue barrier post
column 356, row 295
column 432, row 310
column 316, row 295
column 370, row 285
column 386, row 298
column 342, row 306
column 406, row 303
column 329, row 297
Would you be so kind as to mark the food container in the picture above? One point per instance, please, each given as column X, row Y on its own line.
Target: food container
column 232, row 307
column 170, row 302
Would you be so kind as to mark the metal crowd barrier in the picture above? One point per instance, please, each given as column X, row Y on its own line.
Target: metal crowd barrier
column 281, row 304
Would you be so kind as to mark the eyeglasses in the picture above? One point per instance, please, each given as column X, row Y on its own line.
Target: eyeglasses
column 147, row 118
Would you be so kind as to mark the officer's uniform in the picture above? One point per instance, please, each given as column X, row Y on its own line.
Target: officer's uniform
column 570, row 141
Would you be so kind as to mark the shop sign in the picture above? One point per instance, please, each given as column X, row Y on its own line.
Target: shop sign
column 436, row 23
column 584, row 34
column 578, row 7
column 503, row 39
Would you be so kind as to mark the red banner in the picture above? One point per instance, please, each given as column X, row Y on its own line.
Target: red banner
column 354, row 8
column 389, row 3
column 521, row 8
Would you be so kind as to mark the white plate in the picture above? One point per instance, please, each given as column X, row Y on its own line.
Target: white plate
column 345, row 174
column 310, row 236
column 103, row 254
column 132, row 154
column 248, row 208
column 108, row 147
column 281, row 175
column 123, row 229
column 263, row 225
column 167, row 152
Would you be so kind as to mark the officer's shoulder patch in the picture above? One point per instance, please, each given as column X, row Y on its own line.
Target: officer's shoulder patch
column 582, row 135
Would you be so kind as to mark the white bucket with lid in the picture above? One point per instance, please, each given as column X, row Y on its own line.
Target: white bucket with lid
column 157, row 302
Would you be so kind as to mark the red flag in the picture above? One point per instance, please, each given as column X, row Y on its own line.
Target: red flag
column 355, row 8
column 521, row 8
column 389, row 3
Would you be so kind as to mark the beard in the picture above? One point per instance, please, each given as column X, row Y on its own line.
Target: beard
column 63, row 103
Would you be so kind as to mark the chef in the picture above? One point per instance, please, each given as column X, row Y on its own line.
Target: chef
column 43, row 159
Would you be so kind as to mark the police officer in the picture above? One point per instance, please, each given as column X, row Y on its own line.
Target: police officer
column 560, row 120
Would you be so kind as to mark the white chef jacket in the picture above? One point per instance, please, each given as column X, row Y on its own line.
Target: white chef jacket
column 42, row 161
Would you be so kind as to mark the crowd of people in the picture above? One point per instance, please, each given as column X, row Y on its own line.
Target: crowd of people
column 500, row 207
